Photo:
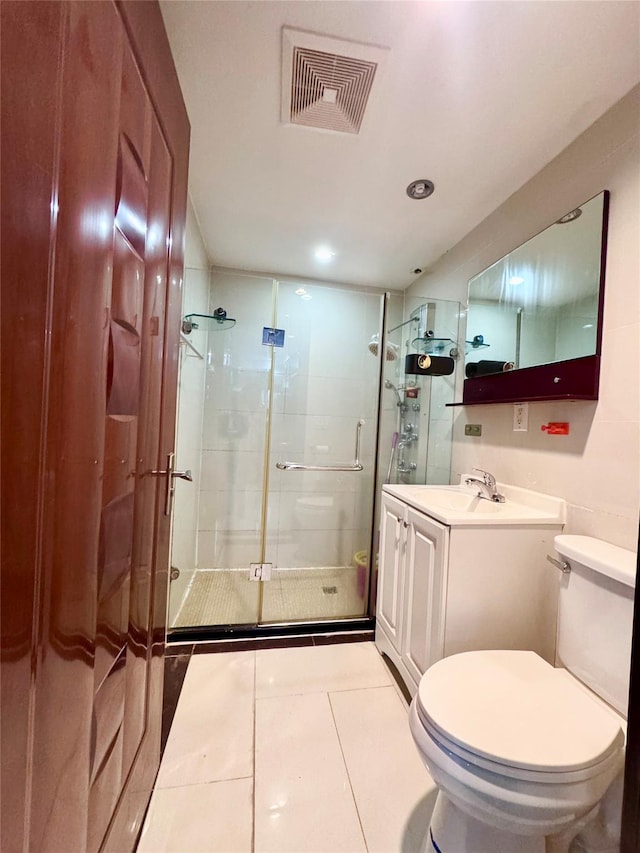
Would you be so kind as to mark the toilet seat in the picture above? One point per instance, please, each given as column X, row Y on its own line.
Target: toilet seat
column 534, row 723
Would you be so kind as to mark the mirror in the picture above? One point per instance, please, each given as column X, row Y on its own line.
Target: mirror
column 534, row 320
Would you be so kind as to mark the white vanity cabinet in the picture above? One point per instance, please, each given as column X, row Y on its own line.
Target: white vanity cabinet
column 450, row 587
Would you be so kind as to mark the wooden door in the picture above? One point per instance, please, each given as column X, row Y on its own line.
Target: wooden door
column 94, row 192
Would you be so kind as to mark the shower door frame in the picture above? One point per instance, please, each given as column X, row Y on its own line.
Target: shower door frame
column 353, row 624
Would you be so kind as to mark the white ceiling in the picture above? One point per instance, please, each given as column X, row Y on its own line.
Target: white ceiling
column 476, row 96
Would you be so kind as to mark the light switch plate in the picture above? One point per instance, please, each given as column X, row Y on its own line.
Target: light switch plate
column 473, row 429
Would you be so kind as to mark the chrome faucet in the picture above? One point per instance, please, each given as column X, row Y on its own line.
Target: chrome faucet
column 487, row 486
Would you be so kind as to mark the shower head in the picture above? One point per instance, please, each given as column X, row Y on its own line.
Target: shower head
column 390, row 385
column 391, row 350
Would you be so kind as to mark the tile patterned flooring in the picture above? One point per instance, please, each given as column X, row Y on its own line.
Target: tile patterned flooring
column 227, row 596
column 290, row 750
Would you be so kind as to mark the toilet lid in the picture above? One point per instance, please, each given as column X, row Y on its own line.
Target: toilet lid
column 513, row 708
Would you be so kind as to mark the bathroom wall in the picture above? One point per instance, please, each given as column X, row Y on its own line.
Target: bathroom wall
column 191, row 376
column 597, row 467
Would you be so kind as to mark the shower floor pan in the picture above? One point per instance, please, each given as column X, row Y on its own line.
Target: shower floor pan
column 227, row 596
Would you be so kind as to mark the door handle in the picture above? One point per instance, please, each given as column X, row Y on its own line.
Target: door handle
column 170, row 474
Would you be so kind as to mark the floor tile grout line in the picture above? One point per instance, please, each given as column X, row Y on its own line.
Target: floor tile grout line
column 325, row 690
column 195, row 784
column 346, row 767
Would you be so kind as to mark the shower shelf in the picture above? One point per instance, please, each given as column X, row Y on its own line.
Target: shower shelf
column 431, row 345
column 469, row 346
column 207, row 322
column 438, row 346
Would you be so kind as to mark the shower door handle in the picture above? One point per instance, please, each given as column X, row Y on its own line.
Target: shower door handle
column 170, row 474
column 356, row 465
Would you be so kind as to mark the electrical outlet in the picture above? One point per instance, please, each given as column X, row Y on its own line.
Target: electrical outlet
column 473, row 429
column 520, row 417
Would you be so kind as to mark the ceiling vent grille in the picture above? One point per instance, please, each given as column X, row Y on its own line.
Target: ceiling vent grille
column 327, row 89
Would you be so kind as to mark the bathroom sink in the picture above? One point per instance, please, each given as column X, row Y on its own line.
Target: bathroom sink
column 461, row 506
column 454, row 499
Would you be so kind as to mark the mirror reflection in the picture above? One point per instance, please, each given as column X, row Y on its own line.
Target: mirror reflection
column 539, row 303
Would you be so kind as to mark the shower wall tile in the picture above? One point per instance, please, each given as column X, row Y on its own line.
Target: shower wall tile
column 230, row 510
column 237, row 390
column 316, row 510
column 299, row 548
column 196, row 283
column 186, row 496
column 225, row 469
column 342, row 398
column 327, row 358
column 228, row 430
column 191, row 378
column 287, row 434
column 324, row 439
column 298, row 395
column 227, row 549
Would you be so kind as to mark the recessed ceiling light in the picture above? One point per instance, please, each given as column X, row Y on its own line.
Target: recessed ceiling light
column 422, row 188
column 324, row 254
column 516, row 279
column 306, row 296
column 300, row 291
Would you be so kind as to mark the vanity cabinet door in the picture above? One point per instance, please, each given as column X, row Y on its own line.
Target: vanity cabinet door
column 391, row 570
column 427, row 547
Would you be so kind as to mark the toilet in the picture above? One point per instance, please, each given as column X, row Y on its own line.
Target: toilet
column 528, row 757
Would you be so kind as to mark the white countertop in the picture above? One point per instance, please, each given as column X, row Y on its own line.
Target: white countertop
column 459, row 506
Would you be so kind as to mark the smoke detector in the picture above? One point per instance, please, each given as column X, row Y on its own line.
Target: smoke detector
column 327, row 82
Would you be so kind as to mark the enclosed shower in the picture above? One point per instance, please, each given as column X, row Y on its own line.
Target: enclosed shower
column 278, row 421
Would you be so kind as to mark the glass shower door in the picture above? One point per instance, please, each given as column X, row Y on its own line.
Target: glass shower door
column 254, row 543
column 325, row 381
column 223, row 420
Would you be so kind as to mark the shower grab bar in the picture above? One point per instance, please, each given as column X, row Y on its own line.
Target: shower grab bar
column 356, row 465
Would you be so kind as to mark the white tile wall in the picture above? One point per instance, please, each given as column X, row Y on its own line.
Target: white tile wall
column 597, row 467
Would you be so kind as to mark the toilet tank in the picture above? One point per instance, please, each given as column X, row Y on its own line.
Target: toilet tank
column 595, row 615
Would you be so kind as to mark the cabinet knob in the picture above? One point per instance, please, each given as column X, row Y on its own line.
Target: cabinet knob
column 405, row 523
